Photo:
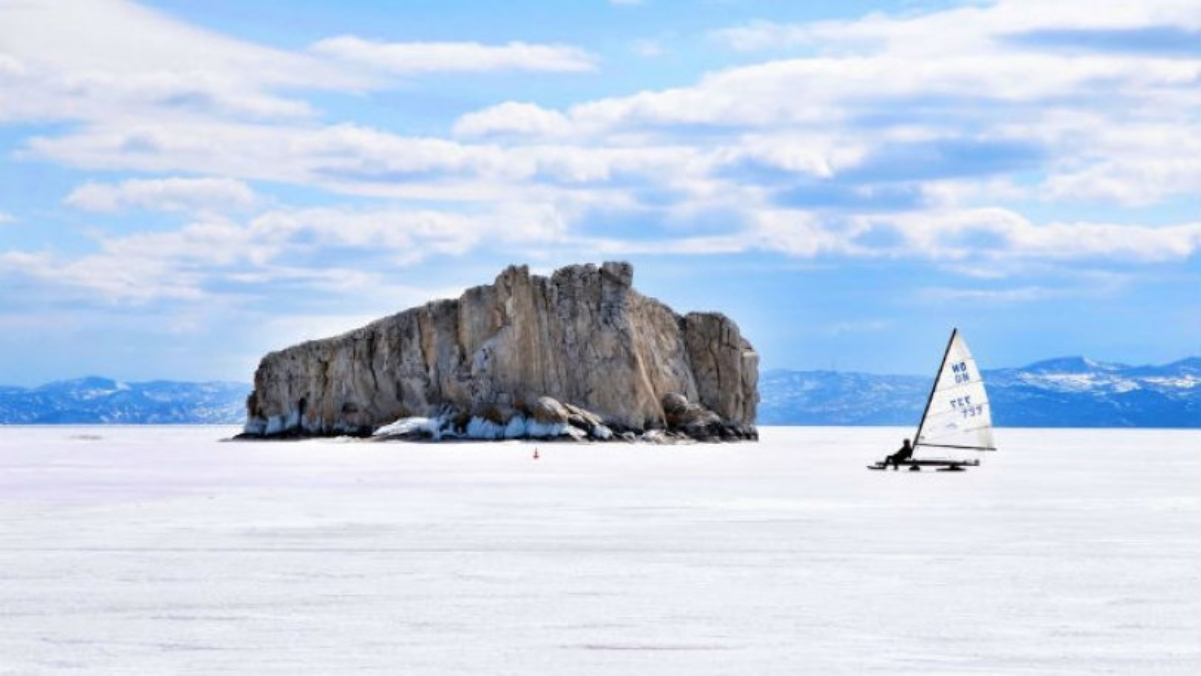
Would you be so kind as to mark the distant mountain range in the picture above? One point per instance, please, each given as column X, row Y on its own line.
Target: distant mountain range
column 1068, row 392
column 101, row 400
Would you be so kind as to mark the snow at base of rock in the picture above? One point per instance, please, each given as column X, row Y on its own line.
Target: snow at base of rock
column 519, row 427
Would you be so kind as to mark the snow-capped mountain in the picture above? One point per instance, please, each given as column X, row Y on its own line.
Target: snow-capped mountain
column 1066, row 392
column 101, row 400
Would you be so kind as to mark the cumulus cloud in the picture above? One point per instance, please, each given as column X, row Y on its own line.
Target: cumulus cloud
column 513, row 117
column 427, row 57
column 111, row 58
column 115, row 60
column 168, row 194
column 331, row 156
column 993, row 232
column 834, row 90
column 364, row 161
column 926, row 135
column 973, row 27
column 117, row 36
column 961, row 108
column 281, row 246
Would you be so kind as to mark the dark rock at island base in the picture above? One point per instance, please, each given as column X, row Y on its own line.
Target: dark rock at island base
column 577, row 355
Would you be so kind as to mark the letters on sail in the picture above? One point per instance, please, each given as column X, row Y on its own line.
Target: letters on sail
column 957, row 415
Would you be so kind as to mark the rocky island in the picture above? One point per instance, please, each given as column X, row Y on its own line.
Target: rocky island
column 576, row 355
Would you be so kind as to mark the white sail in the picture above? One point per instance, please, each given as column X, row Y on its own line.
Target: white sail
column 958, row 419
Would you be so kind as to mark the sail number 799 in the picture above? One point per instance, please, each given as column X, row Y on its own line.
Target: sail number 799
column 965, row 406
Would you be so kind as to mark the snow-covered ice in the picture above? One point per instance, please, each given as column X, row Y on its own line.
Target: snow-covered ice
column 158, row 550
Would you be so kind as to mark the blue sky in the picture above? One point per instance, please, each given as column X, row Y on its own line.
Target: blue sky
column 185, row 186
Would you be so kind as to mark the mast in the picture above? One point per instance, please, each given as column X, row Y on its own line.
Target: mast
column 934, row 386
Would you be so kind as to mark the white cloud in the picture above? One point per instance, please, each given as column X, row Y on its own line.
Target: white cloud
column 330, row 156
column 1118, row 127
column 103, row 278
column 181, row 264
column 800, row 234
column 1098, row 127
column 428, row 57
column 168, row 194
column 796, row 153
column 111, row 59
column 971, row 27
column 826, row 91
column 114, row 60
column 975, row 239
column 1134, row 162
column 6, row 218
column 996, row 233
column 115, row 36
column 794, row 116
column 674, row 246
column 513, row 117
column 272, row 248
column 363, row 161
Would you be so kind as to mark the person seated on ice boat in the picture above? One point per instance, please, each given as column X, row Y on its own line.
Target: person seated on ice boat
column 900, row 456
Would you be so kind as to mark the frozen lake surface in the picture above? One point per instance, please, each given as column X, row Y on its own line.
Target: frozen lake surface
column 158, row 550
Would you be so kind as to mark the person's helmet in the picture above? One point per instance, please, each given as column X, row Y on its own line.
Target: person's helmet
column 906, row 441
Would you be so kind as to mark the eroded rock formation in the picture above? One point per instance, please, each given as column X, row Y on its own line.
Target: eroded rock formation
column 577, row 354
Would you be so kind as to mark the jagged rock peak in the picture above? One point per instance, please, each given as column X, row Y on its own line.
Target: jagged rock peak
column 579, row 354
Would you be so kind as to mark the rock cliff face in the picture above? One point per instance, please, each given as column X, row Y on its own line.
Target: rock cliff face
column 579, row 354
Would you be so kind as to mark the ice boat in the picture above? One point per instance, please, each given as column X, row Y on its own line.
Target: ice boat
column 957, row 422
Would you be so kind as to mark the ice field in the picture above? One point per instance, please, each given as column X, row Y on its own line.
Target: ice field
column 160, row 550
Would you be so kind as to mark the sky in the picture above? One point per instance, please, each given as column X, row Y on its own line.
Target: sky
column 187, row 186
